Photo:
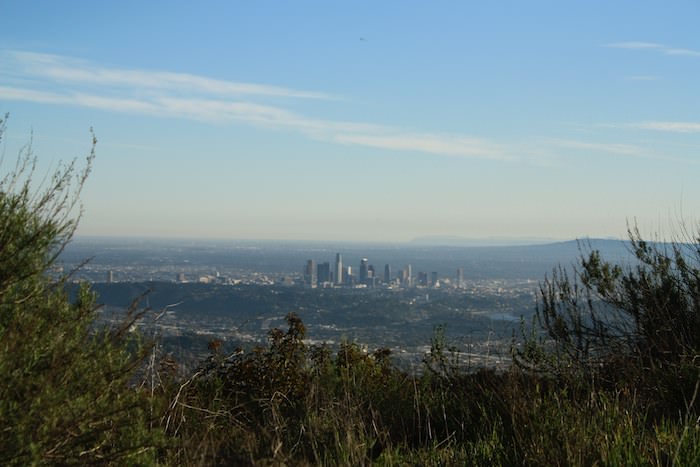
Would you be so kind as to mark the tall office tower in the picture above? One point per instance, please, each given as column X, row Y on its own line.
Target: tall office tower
column 338, row 269
column 434, row 279
column 371, row 276
column 310, row 274
column 401, row 275
column 409, row 276
column 422, row 278
column 387, row 273
column 363, row 271
column 323, row 272
column 460, row 278
column 347, row 276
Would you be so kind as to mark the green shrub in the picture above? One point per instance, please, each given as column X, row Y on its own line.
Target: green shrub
column 65, row 394
column 625, row 326
column 619, row 357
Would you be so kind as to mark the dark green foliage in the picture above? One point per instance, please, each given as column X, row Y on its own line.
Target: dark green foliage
column 65, row 395
column 635, row 326
column 288, row 402
column 622, row 343
column 613, row 381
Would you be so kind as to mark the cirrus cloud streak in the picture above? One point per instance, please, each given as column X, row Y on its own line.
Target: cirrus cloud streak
column 57, row 80
column 673, row 127
column 652, row 46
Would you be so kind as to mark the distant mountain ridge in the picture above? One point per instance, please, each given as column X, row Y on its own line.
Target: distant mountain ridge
column 457, row 241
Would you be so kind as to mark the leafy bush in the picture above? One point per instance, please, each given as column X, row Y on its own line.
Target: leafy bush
column 635, row 325
column 65, row 392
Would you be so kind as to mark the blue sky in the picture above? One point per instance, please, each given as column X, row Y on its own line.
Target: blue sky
column 360, row 120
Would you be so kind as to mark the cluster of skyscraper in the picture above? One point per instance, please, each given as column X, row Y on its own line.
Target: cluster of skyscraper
column 321, row 275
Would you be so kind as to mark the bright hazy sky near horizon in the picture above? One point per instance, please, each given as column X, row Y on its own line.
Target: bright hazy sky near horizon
column 365, row 120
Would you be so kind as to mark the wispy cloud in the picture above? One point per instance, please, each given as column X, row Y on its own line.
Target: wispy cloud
column 55, row 80
column 613, row 148
column 435, row 144
column 31, row 95
column 78, row 99
column 75, row 71
column 620, row 149
column 634, row 45
column 673, row 127
column 353, row 133
column 652, row 46
column 52, row 79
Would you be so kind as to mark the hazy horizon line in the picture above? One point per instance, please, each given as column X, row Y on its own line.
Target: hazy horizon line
column 421, row 241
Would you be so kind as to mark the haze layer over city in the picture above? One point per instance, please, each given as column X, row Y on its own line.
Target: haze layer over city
column 237, row 291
